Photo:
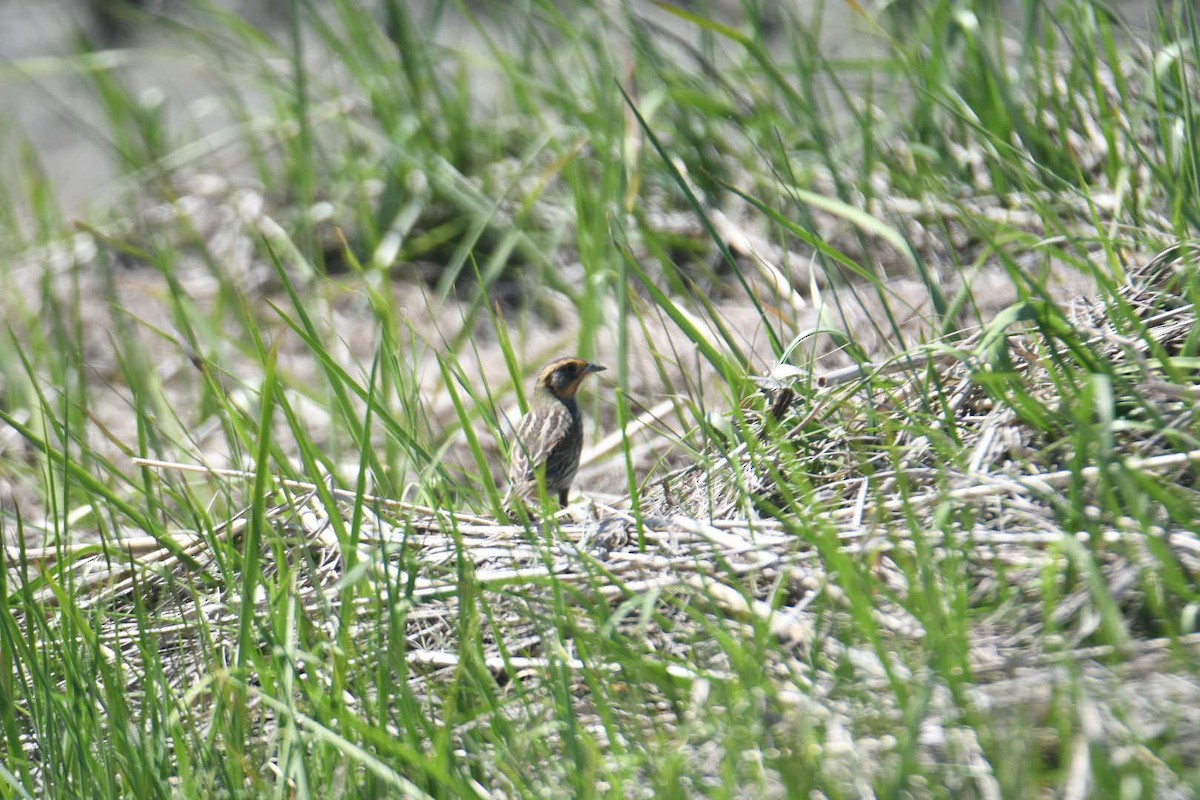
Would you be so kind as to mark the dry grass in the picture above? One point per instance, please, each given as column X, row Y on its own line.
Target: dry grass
column 705, row 553
column 940, row 543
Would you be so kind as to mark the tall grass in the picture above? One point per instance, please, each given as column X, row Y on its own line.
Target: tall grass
column 541, row 214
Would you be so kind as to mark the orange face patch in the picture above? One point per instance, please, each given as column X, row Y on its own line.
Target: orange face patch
column 563, row 376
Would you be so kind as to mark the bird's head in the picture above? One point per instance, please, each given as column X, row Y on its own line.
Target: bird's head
column 562, row 377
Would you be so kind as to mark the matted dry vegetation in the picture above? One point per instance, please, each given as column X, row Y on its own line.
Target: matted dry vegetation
column 941, row 543
column 705, row 553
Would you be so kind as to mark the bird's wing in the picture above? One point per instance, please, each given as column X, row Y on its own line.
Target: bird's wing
column 535, row 439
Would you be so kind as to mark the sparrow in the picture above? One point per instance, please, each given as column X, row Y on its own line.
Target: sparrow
column 549, row 437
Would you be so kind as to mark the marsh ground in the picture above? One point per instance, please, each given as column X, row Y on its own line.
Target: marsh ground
column 890, row 483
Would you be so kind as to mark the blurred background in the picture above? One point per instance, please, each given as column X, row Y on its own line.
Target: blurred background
column 59, row 116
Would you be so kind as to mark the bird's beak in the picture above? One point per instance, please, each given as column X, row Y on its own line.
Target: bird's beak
column 594, row 368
